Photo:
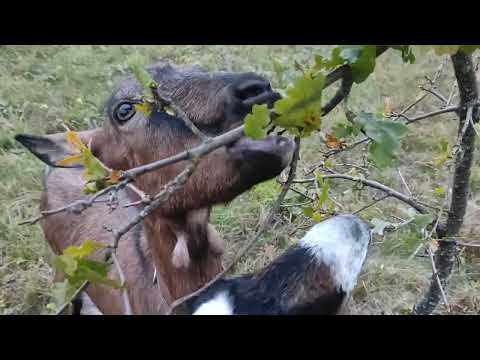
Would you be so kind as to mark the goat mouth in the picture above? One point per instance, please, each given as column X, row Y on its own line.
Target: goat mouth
column 273, row 146
column 269, row 98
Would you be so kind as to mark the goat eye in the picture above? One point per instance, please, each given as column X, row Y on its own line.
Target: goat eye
column 124, row 112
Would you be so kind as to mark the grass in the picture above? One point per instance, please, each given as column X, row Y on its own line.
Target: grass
column 45, row 86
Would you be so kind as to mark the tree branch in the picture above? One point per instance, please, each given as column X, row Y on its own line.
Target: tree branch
column 126, row 300
column 428, row 115
column 467, row 85
column 345, row 73
column 373, row 184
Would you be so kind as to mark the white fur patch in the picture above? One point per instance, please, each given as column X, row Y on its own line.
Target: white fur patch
column 340, row 243
column 88, row 307
column 220, row 304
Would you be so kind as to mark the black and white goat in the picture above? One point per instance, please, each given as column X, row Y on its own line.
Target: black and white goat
column 314, row 277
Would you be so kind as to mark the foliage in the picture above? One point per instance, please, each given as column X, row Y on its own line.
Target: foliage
column 385, row 136
column 95, row 174
column 77, row 269
column 45, row 86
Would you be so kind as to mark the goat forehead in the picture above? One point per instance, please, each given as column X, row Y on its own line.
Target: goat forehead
column 171, row 78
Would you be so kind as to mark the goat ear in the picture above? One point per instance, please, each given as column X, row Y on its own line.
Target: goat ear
column 52, row 148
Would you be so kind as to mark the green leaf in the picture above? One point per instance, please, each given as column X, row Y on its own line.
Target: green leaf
column 317, row 217
column 256, row 122
column 62, row 292
column 308, row 211
column 93, row 168
column 343, row 130
column 84, row 250
column 299, row 111
column 422, row 220
column 407, row 52
column 385, row 137
column 95, row 272
column 329, row 64
column 144, row 78
column 145, row 108
column 66, row 264
column 323, row 196
column 365, row 64
column 440, row 191
column 380, row 225
column 312, row 214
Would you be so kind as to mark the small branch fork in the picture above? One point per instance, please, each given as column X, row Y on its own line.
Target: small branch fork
column 370, row 183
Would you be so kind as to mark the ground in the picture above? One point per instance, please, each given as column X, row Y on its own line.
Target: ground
column 45, row 86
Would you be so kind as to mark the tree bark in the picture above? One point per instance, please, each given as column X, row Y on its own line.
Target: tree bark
column 445, row 256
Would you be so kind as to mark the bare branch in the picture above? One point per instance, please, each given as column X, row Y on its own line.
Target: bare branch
column 430, row 114
column 434, row 93
column 424, row 95
column 371, row 183
column 77, row 207
column 345, row 74
column 371, row 204
column 435, row 274
column 404, row 182
column 173, row 186
column 196, row 152
column 164, row 99
column 126, row 300
column 75, row 294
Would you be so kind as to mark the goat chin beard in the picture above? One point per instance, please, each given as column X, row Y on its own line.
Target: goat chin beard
column 180, row 254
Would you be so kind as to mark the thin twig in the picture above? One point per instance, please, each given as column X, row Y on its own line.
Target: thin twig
column 476, row 245
column 424, row 95
column 434, row 93
column 196, row 152
column 404, row 182
column 76, row 207
column 371, row 183
column 430, row 114
column 126, row 300
column 166, row 100
column 435, row 273
column 371, row 204
column 173, row 186
column 75, row 294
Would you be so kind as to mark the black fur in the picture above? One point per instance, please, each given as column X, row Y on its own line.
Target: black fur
column 268, row 293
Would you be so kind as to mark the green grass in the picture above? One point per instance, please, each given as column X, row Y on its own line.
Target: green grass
column 46, row 86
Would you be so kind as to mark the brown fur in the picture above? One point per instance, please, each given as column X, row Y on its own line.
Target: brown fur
column 208, row 100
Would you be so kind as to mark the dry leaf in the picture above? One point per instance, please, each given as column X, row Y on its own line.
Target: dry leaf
column 333, row 143
column 115, row 176
column 74, row 140
column 71, row 160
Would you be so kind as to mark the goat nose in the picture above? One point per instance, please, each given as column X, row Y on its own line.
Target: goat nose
column 255, row 91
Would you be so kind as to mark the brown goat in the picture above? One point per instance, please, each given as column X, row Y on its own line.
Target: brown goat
column 216, row 103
